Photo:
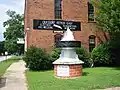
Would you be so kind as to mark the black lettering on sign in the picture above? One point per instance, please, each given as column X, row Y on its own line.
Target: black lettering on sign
column 56, row 24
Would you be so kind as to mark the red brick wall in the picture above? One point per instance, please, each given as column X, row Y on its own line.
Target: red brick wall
column 76, row 10
column 39, row 9
column 75, row 70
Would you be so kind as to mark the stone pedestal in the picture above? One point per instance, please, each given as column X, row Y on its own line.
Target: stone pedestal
column 68, row 65
column 67, row 70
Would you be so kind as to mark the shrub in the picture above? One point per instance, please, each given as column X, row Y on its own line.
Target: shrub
column 84, row 56
column 101, row 55
column 55, row 54
column 115, row 51
column 37, row 59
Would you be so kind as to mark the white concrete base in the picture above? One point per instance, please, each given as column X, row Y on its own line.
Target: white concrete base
column 68, row 61
column 68, row 56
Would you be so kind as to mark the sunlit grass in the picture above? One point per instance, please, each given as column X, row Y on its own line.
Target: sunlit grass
column 93, row 78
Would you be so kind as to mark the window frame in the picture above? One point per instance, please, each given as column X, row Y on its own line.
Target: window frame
column 57, row 36
column 92, row 45
column 91, row 13
column 58, row 9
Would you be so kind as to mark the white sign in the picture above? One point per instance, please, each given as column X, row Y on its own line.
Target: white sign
column 62, row 70
column 20, row 41
column 6, row 53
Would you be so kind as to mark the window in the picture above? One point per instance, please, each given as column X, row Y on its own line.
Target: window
column 58, row 37
column 91, row 43
column 90, row 12
column 58, row 9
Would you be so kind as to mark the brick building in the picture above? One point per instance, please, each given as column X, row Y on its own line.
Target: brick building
column 70, row 10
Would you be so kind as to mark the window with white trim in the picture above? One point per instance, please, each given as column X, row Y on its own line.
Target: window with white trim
column 91, row 43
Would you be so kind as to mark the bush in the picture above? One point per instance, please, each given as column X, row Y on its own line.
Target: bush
column 115, row 51
column 37, row 59
column 55, row 54
column 101, row 55
column 84, row 56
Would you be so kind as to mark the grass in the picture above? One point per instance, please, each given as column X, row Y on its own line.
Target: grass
column 93, row 78
column 5, row 64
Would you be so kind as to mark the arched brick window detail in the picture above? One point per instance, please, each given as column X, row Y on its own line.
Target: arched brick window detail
column 91, row 42
column 58, row 37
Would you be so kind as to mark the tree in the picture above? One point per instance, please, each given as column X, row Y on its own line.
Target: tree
column 14, row 30
column 108, row 19
column 108, row 15
column 2, row 49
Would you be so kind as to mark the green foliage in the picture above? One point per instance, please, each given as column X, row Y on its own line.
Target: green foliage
column 101, row 55
column 115, row 51
column 84, row 56
column 108, row 14
column 107, row 54
column 37, row 59
column 107, row 18
column 2, row 49
column 55, row 54
column 14, row 30
column 11, row 46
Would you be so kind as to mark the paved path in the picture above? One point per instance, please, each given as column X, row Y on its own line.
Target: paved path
column 114, row 88
column 14, row 78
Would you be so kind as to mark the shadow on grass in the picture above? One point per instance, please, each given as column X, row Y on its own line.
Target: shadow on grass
column 2, row 82
column 39, row 70
column 117, row 68
column 85, row 73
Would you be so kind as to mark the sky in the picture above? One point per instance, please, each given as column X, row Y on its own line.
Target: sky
column 14, row 5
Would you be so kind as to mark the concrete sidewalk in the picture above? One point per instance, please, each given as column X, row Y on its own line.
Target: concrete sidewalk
column 14, row 78
column 113, row 88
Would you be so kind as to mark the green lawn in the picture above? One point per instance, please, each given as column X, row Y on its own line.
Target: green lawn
column 5, row 64
column 93, row 78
